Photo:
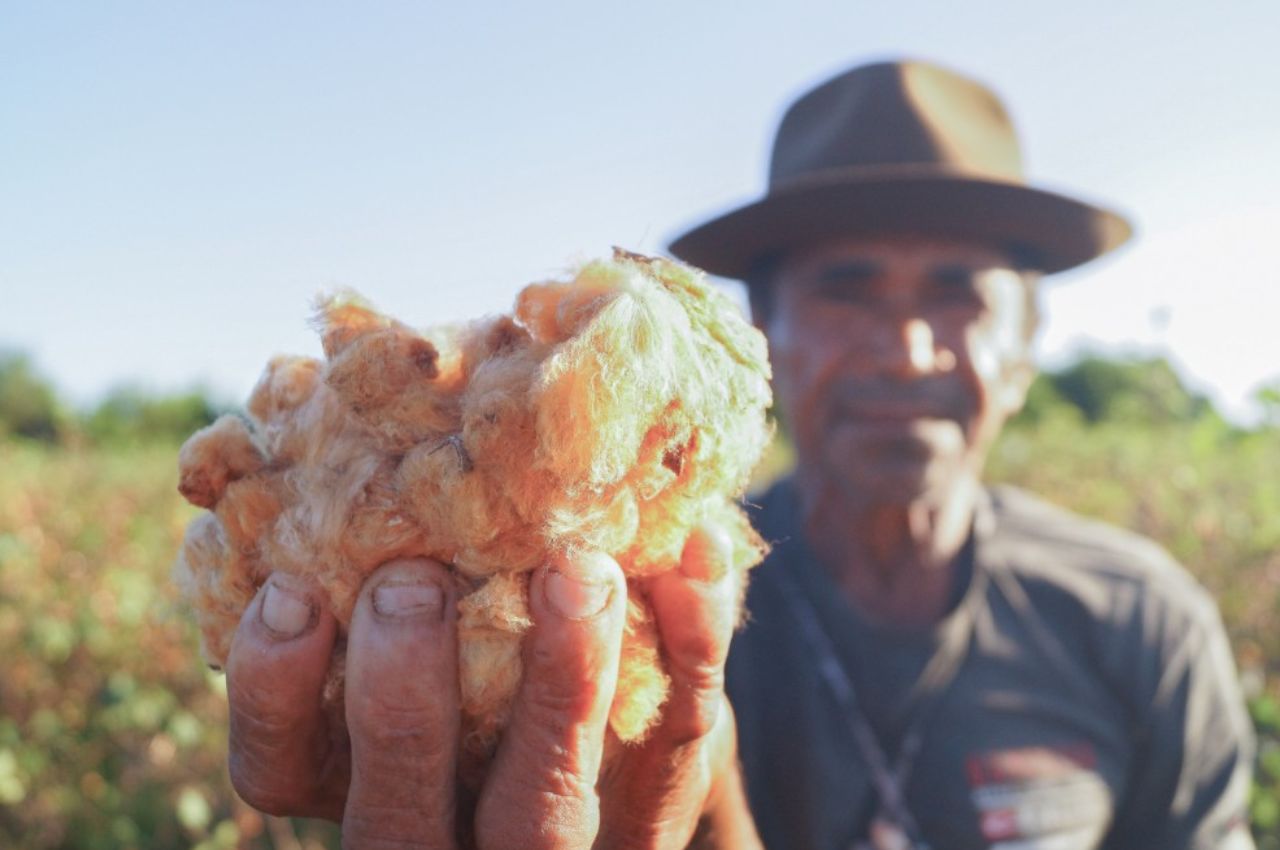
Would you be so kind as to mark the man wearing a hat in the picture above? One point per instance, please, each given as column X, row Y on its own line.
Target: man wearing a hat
column 928, row 663
column 931, row 663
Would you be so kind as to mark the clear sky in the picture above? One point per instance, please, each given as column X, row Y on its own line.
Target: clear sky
column 177, row 180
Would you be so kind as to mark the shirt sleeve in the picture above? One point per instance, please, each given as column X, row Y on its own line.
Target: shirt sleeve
column 1194, row 745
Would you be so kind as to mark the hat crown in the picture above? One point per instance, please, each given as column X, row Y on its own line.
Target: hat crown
column 896, row 116
column 901, row 147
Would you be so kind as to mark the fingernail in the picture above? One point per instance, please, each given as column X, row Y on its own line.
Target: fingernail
column 713, row 554
column 400, row 598
column 285, row 610
column 578, row 591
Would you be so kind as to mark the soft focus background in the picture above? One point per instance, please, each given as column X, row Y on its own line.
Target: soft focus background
column 178, row 180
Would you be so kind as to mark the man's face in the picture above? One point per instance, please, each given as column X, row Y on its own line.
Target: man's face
column 897, row 361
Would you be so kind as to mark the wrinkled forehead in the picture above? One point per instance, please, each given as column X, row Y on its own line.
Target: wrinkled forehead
column 899, row 251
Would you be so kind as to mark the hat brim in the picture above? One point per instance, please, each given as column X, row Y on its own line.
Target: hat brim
column 1049, row 232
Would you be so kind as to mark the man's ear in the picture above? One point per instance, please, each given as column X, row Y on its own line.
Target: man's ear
column 1022, row 374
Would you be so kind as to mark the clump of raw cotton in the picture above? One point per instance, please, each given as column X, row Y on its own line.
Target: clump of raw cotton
column 614, row 411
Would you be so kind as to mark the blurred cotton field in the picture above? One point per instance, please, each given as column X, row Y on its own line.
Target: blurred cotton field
column 112, row 733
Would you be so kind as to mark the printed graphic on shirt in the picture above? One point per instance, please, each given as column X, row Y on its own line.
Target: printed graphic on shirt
column 1039, row 798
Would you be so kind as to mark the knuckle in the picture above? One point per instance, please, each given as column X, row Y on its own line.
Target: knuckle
column 566, row 664
column 558, row 837
column 258, row 754
column 260, row 742
column 392, row 723
column 640, row 829
column 557, row 775
column 254, row 730
column 403, row 750
column 262, row 714
column 561, row 682
column 406, row 736
column 560, row 782
column 262, row 788
column 371, row 831
column 697, row 625
column 565, row 816
column 701, row 677
column 693, row 715
column 700, row 649
column 553, row 694
column 385, row 811
column 269, row 746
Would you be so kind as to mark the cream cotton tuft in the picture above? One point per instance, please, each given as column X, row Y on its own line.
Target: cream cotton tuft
column 615, row 411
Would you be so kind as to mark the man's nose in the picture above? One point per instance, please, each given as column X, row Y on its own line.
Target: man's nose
column 909, row 350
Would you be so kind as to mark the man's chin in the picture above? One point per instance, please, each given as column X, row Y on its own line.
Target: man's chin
column 901, row 479
column 892, row 463
column 896, row 485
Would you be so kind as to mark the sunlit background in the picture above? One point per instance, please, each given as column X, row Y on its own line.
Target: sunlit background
column 178, row 180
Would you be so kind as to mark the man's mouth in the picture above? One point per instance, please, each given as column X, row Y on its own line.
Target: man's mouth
column 889, row 412
column 896, row 405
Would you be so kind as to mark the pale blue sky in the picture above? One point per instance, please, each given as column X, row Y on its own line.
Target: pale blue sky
column 177, row 180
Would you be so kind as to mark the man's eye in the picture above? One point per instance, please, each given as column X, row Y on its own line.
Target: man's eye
column 957, row 285
column 955, row 275
column 847, row 282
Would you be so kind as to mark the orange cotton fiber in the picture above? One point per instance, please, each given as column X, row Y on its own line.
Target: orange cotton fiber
column 614, row 411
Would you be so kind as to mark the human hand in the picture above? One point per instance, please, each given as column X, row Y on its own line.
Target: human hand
column 396, row 784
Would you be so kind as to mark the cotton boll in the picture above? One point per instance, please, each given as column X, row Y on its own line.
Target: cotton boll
column 287, row 382
column 614, row 412
column 497, row 613
column 498, row 429
column 465, row 513
column 214, row 456
column 345, row 317
column 386, row 378
column 375, row 368
column 642, row 683
column 555, row 311
column 594, row 405
column 219, row 581
column 377, row 528
column 249, row 507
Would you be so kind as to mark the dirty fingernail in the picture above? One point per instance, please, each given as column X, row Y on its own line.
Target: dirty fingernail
column 287, row 611
column 398, row 598
column 580, row 594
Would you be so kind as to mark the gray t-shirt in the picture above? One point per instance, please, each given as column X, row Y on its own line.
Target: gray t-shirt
column 1096, row 704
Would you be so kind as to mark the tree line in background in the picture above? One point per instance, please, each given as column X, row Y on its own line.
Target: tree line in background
column 31, row 408
column 1137, row 390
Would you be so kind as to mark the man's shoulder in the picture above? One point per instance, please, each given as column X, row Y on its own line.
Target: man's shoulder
column 1029, row 524
column 1112, row 571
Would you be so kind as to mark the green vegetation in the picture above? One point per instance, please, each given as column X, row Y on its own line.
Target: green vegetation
column 30, row 409
column 28, row 406
column 112, row 734
column 129, row 415
column 1126, row 442
column 1138, row 391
